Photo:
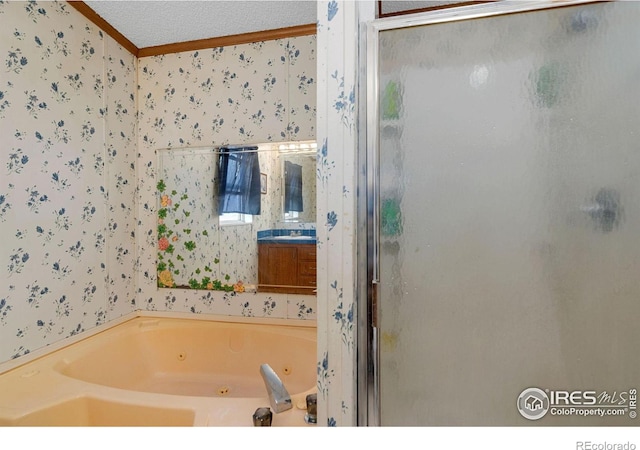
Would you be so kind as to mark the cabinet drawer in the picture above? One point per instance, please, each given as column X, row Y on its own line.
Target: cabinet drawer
column 307, row 268
column 307, row 280
column 306, row 253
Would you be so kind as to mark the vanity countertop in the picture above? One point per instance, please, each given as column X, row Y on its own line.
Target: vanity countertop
column 288, row 240
column 285, row 236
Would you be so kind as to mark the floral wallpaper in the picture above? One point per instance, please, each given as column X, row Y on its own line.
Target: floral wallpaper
column 337, row 103
column 68, row 156
column 194, row 250
column 83, row 123
column 189, row 102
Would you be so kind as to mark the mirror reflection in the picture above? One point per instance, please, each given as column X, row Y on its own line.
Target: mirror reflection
column 200, row 248
column 299, row 187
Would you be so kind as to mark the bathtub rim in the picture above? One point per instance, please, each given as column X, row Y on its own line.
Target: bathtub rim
column 15, row 363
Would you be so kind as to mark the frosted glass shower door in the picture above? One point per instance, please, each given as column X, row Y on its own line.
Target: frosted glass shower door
column 509, row 219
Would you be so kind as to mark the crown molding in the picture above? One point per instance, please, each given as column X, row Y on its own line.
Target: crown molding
column 224, row 41
column 90, row 14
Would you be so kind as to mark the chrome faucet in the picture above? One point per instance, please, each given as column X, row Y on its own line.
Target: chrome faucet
column 278, row 396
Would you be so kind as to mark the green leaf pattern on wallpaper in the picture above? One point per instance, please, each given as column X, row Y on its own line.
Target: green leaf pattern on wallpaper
column 175, row 243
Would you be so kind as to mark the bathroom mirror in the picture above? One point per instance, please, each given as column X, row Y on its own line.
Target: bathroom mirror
column 195, row 250
column 298, row 187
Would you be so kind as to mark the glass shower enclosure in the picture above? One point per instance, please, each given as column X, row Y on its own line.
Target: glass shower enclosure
column 503, row 157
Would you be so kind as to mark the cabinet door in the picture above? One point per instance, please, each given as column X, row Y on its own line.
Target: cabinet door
column 279, row 265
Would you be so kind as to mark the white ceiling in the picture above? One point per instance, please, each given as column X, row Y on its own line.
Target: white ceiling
column 147, row 23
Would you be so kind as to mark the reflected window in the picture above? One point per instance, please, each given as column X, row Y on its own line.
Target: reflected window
column 239, row 184
column 235, row 219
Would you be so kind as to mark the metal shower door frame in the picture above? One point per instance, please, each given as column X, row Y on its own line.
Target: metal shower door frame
column 368, row 357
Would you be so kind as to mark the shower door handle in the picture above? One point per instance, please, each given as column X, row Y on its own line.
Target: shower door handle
column 605, row 210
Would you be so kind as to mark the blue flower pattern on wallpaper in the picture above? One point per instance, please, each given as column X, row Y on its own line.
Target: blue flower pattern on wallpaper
column 345, row 104
column 332, row 220
column 336, row 176
column 80, row 147
column 252, row 93
column 324, row 165
column 324, row 375
column 54, row 201
column 343, row 315
column 332, row 10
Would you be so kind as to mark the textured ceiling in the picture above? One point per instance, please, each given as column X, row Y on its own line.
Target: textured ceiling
column 149, row 23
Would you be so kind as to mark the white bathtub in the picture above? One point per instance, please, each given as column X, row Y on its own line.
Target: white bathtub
column 155, row 371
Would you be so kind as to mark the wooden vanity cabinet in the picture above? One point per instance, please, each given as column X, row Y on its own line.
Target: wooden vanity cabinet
column 287, row 268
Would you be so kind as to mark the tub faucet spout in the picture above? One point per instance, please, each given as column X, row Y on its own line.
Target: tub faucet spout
column 278, row 396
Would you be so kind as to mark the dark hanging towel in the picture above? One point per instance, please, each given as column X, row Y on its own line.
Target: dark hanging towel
column 239, row 186
column 292, row 187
